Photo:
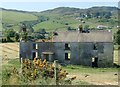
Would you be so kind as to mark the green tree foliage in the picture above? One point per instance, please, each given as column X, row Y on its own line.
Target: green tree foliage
column 17, row 37
column 117, row 38
column 24, row 36
column 9, row 33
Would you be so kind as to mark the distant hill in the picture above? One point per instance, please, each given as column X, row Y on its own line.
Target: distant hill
column 65, row 10
column 60, row 18
column 14, row 16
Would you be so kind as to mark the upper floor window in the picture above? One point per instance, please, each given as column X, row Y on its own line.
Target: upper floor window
column 95, row 46
column 35, row 46
column 67, row 46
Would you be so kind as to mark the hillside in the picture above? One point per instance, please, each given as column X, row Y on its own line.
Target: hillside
column 64, row 17
column 12, row 18
column 61, row 18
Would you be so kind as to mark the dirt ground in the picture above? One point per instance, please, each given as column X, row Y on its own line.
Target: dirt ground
column 9, row 51
column 105, row 78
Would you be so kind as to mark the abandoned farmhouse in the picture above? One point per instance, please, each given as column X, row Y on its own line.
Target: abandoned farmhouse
column 73, row 47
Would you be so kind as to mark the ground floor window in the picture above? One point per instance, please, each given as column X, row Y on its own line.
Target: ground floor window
column 67, row 56
column 95, row 62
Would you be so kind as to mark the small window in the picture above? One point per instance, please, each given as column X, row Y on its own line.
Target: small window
column 95, row 47
column 67, row 56
column 67, row 46
column 35, row 46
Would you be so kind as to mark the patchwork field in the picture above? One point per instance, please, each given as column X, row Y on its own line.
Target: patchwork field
column 85, row 75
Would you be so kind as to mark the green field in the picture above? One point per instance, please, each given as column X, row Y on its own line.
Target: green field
column 58, row 18
column 16, row 17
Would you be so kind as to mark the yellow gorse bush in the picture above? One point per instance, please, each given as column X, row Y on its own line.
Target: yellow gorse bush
column 38, row 67
column 38, row 71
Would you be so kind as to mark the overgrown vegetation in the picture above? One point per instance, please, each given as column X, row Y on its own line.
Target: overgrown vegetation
column 36, row 72
column 117, row 37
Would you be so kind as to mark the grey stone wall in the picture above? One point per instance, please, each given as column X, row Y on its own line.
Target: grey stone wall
column 81, row 52
column 25, row 49
column 106, row 58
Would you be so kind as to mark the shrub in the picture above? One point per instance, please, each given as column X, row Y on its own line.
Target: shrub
column 37, row 72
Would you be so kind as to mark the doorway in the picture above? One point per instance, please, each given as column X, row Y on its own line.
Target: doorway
column 33, row 55
column 95, row 62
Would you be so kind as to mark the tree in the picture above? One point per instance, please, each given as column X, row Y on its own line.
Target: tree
column 117, row 38
column 9, row 33
column 88, row 14
column 17, row 37
column 31, row 30
column 24, row 36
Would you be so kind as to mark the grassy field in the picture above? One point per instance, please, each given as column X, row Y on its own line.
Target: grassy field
column 56, row 20
column 85, row 75
column 16, row 17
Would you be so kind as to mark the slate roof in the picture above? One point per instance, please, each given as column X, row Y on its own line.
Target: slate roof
column 75, row 36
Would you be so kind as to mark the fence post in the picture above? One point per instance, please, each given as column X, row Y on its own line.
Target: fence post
column 56, row 72
column 21, row 62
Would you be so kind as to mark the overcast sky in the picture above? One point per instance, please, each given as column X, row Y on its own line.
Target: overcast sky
column 41, row 6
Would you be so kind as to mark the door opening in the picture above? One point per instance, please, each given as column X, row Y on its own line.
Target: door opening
column 34, row 55
column 95, row 62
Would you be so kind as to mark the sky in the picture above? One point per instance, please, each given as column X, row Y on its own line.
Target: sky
column 41, row 6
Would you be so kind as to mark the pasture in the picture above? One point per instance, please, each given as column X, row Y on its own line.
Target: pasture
column 13, row 17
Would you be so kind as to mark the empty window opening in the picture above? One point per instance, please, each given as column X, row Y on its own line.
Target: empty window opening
column 67, row 56
column 67, row 46
column 35, row 55
column 95, row 47
column 35, row 46
column 95, row 62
